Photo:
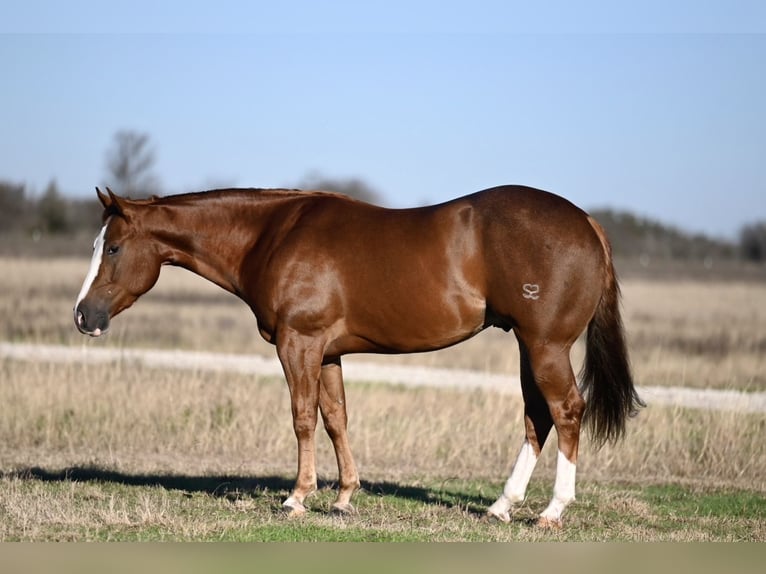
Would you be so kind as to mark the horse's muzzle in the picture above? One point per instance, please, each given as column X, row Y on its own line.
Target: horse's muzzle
column 91, row 321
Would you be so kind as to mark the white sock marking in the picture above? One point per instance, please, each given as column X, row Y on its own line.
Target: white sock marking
column 563, row 489
column 516, row 487
column 95, row 264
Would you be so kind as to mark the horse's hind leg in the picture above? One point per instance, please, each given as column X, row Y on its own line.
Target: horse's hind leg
column 554, row 377
column 332, row 404
column 538, row 423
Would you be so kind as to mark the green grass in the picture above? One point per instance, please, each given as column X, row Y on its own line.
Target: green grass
column 91, row 505
column 671, row 499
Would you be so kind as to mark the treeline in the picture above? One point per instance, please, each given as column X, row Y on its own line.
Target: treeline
column 639, row 237
column 51, row 214
column 54, row 217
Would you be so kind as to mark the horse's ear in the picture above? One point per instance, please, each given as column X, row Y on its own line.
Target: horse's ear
column 105, row 200
column 113, row 204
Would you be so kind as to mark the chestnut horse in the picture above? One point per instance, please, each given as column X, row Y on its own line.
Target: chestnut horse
column 326, row 275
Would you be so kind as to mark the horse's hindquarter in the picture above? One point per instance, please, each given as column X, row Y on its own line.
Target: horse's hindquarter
column 545, row 262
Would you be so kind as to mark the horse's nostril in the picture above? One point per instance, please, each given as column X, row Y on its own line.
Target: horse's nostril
column 80, row 317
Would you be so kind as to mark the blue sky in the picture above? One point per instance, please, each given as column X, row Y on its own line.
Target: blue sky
column 663, row 115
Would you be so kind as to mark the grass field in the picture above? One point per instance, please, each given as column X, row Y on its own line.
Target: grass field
column 114, row 452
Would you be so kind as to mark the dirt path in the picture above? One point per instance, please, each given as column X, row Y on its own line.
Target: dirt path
column 356, row 370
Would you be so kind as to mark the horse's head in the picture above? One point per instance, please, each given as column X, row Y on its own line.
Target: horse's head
column 125, row 265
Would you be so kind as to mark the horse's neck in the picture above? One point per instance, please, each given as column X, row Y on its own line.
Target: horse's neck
column 211, row 239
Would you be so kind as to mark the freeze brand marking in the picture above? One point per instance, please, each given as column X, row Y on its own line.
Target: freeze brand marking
column 531, row 291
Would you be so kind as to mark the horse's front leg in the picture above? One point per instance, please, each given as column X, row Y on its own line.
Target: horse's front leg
column 332, row 404
column 301, row 359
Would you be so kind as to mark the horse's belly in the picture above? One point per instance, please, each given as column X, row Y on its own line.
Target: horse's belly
column 418, row 325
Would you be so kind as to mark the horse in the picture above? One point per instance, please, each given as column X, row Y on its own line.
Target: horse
column 326, row 275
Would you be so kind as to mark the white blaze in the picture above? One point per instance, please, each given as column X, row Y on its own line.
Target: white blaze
column 95, row 264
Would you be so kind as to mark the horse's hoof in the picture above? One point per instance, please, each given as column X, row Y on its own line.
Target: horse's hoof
column 502, row 516
column 292, row 508
column 343, row 509
column 550, row 523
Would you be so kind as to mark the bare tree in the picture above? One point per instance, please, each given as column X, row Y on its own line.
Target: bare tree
column 129, row 162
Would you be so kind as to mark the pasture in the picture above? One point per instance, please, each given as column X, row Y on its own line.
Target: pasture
column 119, row 452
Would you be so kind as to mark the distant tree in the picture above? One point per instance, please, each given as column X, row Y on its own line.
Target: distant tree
column 53, row 211
column 13, row 206
column 129, row 162
column 353, row 187
column 85, row 214
column 752, row 242
column 635, row 236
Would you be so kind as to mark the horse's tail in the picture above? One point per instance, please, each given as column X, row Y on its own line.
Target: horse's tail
column 607, row 383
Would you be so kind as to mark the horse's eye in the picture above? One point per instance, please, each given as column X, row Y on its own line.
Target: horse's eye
column 112, row 249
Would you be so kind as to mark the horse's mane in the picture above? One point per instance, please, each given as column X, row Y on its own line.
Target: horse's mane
column 231, row 194
column 243, row 193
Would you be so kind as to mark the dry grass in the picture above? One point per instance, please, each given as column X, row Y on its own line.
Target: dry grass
column 81, row 448
column 700, row 334
column 697, row 334
column 145, row 420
